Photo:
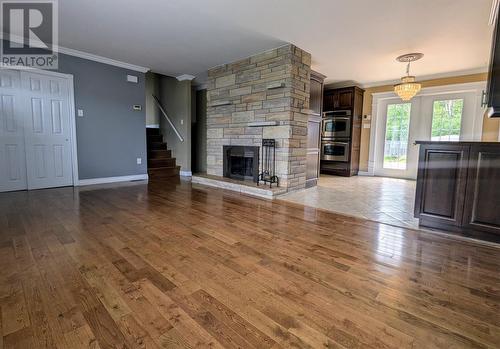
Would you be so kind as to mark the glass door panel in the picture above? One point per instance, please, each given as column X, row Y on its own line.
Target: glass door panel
column 397, row 130
column 447, row 119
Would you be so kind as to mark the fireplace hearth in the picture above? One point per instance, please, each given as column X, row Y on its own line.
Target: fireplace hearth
column 241, row 162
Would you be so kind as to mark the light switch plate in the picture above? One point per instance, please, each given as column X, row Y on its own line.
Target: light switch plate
column 366, row 125
column 80, row 112
column 139, row 161
column 137, row 107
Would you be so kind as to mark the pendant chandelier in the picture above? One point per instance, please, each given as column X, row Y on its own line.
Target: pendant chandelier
column 408, row 88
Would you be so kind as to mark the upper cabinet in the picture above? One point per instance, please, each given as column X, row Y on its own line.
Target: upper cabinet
column 346, row 98
column 316, row 93
column 338, row 99
column 330, row 100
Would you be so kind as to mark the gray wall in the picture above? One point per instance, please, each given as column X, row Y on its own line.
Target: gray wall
column 199, row 153
column 175, row 97
column 152, row 88
column 111, row 135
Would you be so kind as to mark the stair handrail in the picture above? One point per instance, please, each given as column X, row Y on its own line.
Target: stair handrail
column 158, row 103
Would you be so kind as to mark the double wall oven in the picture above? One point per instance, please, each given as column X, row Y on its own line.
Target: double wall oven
column 336, row 135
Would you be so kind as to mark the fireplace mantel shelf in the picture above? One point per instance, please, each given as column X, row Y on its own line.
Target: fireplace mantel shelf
column 263, row 123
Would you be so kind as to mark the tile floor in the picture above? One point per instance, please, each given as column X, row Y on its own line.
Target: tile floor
column 386, row 200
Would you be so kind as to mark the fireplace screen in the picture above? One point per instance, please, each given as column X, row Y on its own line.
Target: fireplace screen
column 241, row 162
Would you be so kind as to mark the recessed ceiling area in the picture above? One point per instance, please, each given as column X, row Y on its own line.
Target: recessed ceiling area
column 350, row 40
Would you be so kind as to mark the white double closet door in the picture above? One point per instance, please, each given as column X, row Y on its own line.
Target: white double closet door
column 35, row 131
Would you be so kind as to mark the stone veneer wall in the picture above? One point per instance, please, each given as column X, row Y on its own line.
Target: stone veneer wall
column 245, row 85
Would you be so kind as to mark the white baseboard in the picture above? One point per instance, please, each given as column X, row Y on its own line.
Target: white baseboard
column 153, row 126
column 186, row 173
column 92, row 181
column 365, row 173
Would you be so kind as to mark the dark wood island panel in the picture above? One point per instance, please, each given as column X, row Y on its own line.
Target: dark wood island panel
column 458, row 188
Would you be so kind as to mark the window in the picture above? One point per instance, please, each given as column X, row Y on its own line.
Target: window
column 447, row 119
column 396, row 136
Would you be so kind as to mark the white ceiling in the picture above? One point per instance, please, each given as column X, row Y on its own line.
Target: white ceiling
column 350, row 40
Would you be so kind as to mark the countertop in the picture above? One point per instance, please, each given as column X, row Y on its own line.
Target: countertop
column 457, row 143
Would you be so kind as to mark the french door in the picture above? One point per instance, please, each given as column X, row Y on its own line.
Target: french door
column 36, row 132
column 450, row 116
column 396, row 156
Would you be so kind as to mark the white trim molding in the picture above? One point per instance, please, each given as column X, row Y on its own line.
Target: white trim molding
column 101, row 59
column 104, row 180
column 153, row 126
column 185, row 77
column 85, row 55
column 186, row 173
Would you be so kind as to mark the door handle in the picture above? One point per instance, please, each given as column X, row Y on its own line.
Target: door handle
column 484, row 99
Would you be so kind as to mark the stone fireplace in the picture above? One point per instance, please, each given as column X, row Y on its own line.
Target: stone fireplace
column 265, row 96
column 241, row 162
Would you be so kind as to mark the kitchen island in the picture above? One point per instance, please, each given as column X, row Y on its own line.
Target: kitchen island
column 458, row 188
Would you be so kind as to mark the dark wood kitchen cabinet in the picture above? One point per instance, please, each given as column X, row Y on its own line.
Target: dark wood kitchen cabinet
column 442, row 174
column 458, row 188
column 346, row 98
column 350, row 100
column 314, row 128
column 339, row 99
column 330, row 100
column 316, row 93
column 482, row 202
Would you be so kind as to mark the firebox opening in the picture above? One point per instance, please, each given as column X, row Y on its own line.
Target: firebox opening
column 241, row 162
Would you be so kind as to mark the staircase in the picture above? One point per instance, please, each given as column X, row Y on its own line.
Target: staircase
column 161, row 164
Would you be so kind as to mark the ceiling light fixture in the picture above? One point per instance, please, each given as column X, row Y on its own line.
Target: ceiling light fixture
column 408, row 88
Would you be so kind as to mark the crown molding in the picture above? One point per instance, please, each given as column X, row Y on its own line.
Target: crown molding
column 101, row 59
column 185, row 77
column 85, row 55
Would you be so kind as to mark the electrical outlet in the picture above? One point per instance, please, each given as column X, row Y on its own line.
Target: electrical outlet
column 80, row 112
column 139, row 161
column 182, row 121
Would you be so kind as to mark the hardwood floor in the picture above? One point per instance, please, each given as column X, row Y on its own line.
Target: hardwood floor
column 138, row 266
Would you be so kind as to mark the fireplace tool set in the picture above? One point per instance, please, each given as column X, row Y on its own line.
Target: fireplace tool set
column 267, row 175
